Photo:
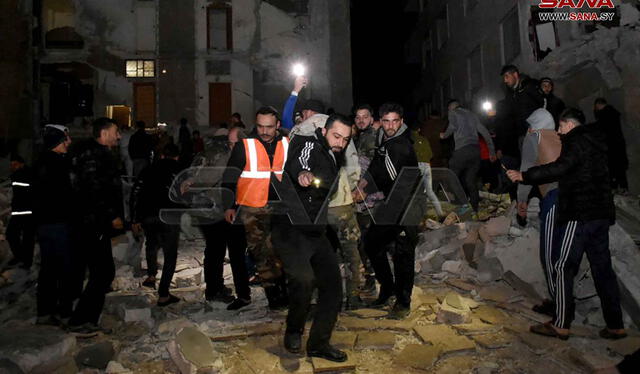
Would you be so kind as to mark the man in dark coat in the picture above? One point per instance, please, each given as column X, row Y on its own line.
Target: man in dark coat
column 585, row 211
column 52, row 195
column 98, row 216
column 21, row 229
column 523, row 96
column 608, row 122
column 308, row 257
column 552, row 103
column 140, row 148
column 151, row 194
column 394, row 153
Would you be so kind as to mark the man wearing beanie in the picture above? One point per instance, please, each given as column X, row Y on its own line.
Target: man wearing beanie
column 51, row 197
column 552, row 103
column 97, row 217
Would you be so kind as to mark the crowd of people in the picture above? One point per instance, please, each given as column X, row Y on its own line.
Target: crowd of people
column 312, row 191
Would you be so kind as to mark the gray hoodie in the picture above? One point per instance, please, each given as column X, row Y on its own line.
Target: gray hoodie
column 465, row 126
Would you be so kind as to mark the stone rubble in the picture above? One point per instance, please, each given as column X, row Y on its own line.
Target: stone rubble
column 470, row 313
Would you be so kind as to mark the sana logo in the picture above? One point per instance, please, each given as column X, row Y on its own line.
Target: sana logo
column 576, row 4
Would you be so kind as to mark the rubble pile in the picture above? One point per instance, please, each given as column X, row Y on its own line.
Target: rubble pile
column 471, row 310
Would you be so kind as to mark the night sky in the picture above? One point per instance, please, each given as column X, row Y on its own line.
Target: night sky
column 379, row 31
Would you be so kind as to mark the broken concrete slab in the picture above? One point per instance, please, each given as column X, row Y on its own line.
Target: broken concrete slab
column 476, row 328
column 498, row 226
column 521, row 286
column 490, row 314
column 272, row 328
column 322, row 366
column 172, row 326
column 261, row 354
column 461, row 284
column 445, row 337
column 369, row 313
column 453, row 316
column 189, row 294
column 96, row 355
column 192, row 351
column 624, row 346
column 188, row 278
column 541, row 344
column 377, row 340
column 494, row 341
column 489, row 269
column 499, row 293
column 418, row 356
column 344, row 340
column 36, row 349
column 115, row 367
column 223, row 335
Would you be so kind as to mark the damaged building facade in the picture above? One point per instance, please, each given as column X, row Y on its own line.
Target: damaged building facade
column 462, row 45
column 161, row 60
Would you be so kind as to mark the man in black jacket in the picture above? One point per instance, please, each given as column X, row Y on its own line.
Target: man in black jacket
column 151, row 194
column 308, row 258
column 52, row 194
column 552, row 103
column 140, row 148
column 98, row 215
column 393, row 154
column 523, row 98
column 586, row 210
column 21, row 230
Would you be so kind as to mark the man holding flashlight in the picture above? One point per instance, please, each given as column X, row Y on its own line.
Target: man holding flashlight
column 308, row 257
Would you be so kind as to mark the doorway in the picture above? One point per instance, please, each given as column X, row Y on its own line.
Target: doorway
column 144, row 103
column 219, row 103
column 121, row 114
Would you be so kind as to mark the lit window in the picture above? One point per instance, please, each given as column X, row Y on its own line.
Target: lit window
column 141, row 69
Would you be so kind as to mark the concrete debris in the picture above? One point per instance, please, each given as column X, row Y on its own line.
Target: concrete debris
column 498, row 226
column 115, row 367
column 36, row 349
column 192, row 352
column 189, row 278
column 97, row 355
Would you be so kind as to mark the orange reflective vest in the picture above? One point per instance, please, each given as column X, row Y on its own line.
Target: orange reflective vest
column 254, row 182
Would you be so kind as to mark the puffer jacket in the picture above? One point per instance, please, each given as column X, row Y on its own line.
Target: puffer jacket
column 583, row 175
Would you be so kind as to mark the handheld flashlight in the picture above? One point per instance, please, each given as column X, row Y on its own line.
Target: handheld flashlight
column 299, row 70
column 316, row 182
column 487, row 106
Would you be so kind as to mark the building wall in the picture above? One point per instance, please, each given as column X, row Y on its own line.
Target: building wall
column 16, row 90
column 267, row 40
column 584, row 66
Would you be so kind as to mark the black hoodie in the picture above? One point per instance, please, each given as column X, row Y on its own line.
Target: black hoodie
column 583, row 175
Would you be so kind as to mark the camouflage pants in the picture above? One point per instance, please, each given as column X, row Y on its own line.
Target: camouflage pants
column 257, row 224
column 364, row 221
column 343, row 221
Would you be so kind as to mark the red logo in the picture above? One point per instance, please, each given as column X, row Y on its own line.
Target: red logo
column 576, row 4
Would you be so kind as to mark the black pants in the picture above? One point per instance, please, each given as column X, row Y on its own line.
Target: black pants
column 309, row 261
column 219, row 237
column 574, row 239
column 21, row 235
column 465, row 163
column 55, row 281
column 376, row 243
column 94, row 251
column 160, row 235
